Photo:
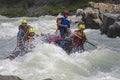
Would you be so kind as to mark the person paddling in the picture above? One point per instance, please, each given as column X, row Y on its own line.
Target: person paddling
column 23, row 29
column 64, row 25
column 79, row 38
column 28, row 37
column 24, row 46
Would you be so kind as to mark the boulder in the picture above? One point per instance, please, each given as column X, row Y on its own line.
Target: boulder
column 106, row 7
column 48, row 79
column 9, row 77
column 108, row 19
column 91, row 18
column 114, row 30
column 79, row 12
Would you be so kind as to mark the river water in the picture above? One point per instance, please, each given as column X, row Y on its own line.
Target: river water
column 50, row 61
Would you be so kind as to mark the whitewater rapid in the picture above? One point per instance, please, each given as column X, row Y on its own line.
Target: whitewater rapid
column 50, row 61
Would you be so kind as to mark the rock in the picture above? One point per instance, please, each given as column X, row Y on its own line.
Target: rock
column 97, row 23
column 114, row 30
column 108, row 19
column 9, row 77
column 79, row 12
column 111, row 25
column 47, row 79
column 106, row 7
column 91, row 18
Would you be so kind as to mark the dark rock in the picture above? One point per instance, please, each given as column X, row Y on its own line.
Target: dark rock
column 114, row 30
column 111, row 25
column 48, row 79
column 108, row 19
column 118, row 19
column 9, row 78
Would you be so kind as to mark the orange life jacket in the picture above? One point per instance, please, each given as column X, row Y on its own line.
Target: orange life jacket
column 79, row 37
column 30, row 36
column 57, row 22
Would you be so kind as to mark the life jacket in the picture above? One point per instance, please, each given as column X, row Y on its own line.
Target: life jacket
column 29, row 41
column 58, row 27
column 64, row 21
column 79, row 37
column 30, row 35
column 23, row 29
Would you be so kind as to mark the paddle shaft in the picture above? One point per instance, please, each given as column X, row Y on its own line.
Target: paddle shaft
column 92, row 44
column 88, row 42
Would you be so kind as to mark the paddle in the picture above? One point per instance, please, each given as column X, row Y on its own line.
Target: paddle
column 92, row 44
column 87, row 42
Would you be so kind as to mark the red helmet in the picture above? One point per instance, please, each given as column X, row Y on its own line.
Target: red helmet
column 66, row 12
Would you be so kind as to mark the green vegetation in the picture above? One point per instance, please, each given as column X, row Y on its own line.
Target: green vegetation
column 13, row 12
column 71, row 6
column 54, row 10
column 15, row 8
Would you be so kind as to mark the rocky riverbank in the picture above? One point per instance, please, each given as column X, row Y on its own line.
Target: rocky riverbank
column 103, row 16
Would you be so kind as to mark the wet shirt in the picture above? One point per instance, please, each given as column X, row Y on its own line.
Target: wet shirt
column 79, row 37
column 64, row 21
column 22, row 31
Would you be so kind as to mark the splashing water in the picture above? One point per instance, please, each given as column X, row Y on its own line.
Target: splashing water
column 50, row 61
